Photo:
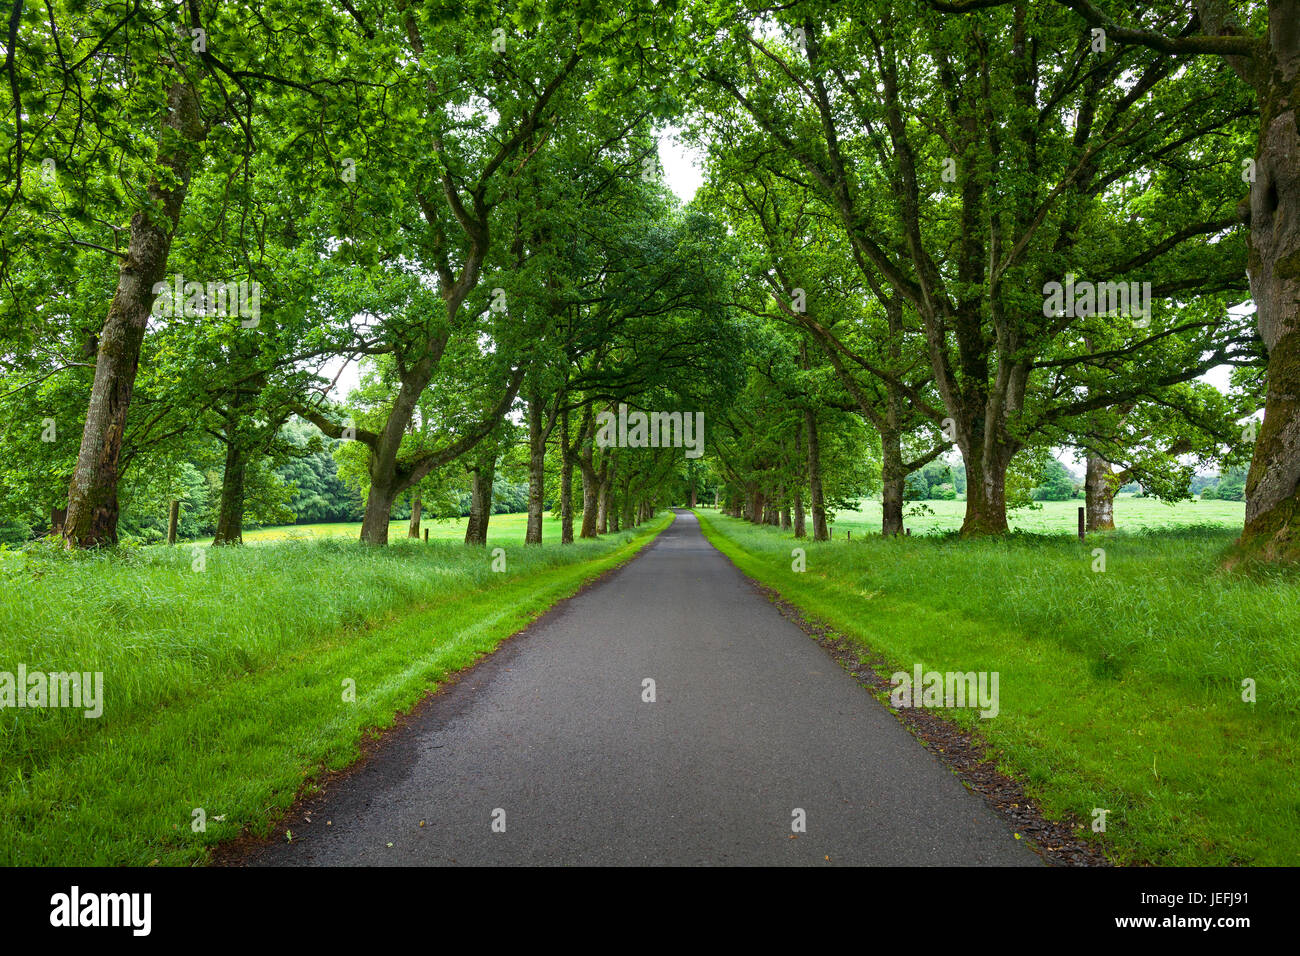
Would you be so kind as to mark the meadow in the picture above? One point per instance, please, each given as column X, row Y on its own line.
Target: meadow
column 1123, row 689
column 503, row 530
column 1050, row 517
column 229, row 687
column 943, row 516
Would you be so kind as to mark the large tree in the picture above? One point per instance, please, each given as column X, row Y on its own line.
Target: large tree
column 120, row 112
column 1261, row 44
column 971, row 161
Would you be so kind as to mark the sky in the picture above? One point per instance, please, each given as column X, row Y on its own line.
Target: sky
column 683, row 165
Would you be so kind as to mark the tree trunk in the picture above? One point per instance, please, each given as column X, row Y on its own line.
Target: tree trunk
column 893, row 469
column 230, row 516
column 800, row 525
column 92, row 496
column 385, row 483
column 173, row 519
column 755, row 505
column 816, row 502
column 986, row 483
column 1272, row 528
column 606, row 483
column 379, row 510
column 590, row 478
column 413, row 529
column 629, row 519
column 1099, row 494
column 891, row 502
column 986, row 500
column 566, row 481
column 536, row 470
column 590, row 500
column 480, row 501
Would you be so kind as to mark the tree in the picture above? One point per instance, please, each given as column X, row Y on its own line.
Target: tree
column 126, row 111
column 1232, row 486
column 1057, row 483
column 945, row 146
column 801, row 262
column 1265, row 54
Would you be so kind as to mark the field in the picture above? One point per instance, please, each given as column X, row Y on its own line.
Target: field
column 503, row 530
column 226, row 688
column 1131, row 513
column 1120, row 689
column 1053, row 516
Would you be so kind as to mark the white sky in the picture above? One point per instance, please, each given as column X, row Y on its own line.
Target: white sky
column 683, row 165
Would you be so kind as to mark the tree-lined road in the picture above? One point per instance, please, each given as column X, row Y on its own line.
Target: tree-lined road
column 751, row 722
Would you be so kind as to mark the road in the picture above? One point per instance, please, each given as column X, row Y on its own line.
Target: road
column 552, row 741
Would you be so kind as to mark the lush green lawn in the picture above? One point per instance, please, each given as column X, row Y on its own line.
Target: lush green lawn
column 502, row 530
column 224, row 688
column 1119, row 689
column 1054, row 516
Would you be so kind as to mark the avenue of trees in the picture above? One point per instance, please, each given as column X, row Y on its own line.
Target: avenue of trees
column 938, row 241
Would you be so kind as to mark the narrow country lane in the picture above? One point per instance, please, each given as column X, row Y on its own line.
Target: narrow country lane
column 751, row 722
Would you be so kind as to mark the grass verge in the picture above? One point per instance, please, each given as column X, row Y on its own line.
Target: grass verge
column 1120, row 690
column 225, row 689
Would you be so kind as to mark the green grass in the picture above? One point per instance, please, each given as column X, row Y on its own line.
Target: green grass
column 1131, row 514
column 502, row 530
column 1119, row 689
column 224, row 687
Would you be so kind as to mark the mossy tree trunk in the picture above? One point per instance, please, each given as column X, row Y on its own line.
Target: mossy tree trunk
column 1099, row 494
column 815, row 499
column 413, row 529
column 92, row 496
column 480, row 500
column 1272, row 528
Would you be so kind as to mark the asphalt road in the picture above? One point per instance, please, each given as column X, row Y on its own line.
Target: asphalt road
column 751, row 721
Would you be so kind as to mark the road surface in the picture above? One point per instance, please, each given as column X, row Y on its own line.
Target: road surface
column 551, row 741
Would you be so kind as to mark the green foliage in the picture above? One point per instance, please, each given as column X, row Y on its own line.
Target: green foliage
column 936, row 480
column 1231, row 486
column 1057, row 483
column 319, row 493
